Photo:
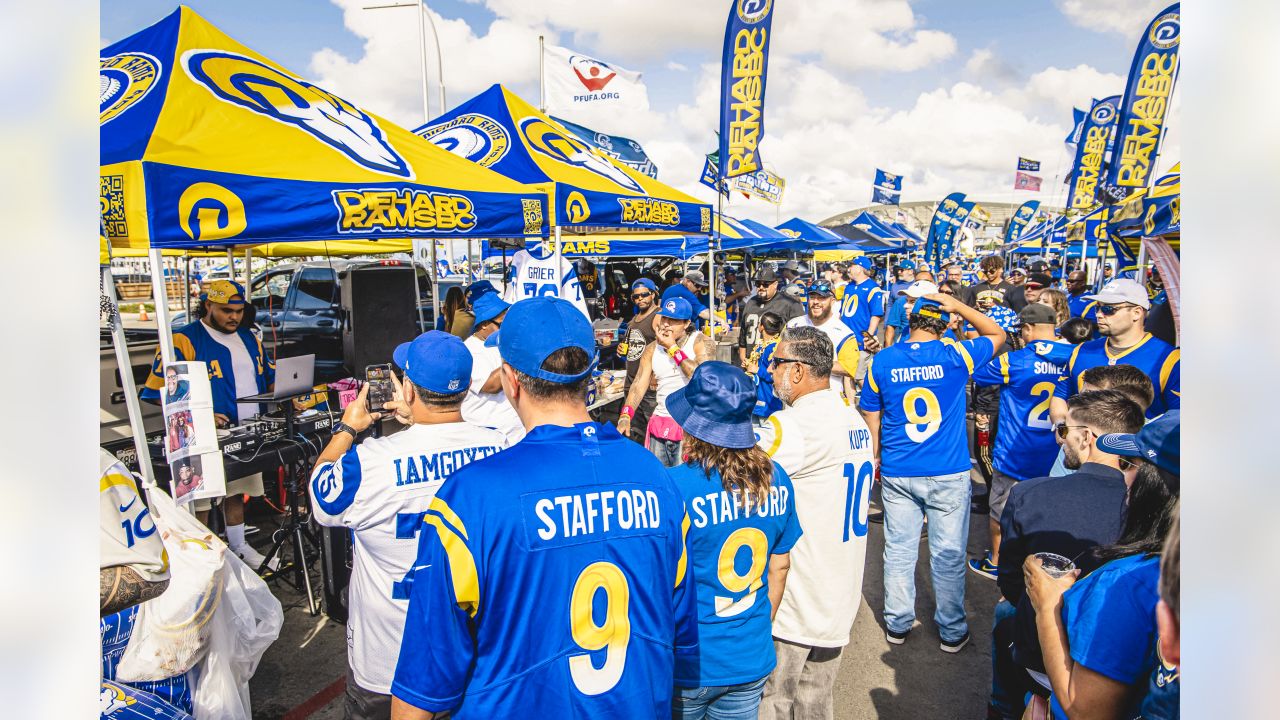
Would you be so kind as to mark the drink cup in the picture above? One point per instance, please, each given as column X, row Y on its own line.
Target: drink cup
column 1055, row 565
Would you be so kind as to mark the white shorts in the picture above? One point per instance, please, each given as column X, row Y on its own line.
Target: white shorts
column 250, row 485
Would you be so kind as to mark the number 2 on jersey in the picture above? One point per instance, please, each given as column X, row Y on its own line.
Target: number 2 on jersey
column 1039, row 415
column 921, row 426
column 613, row 634
column 855, row 507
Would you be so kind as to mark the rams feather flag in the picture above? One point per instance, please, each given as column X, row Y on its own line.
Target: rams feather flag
column 205, row 142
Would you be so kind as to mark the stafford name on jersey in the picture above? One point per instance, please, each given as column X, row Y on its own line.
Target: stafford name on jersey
column 916, row 373
column 724, row 506
column 437, row 466
column 571, row 518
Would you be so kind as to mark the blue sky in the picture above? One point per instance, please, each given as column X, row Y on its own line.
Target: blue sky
column 918, row 78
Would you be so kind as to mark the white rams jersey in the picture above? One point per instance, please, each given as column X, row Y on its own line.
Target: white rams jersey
column 843, row 343
column 380, row 489
column 533, row 274
column 127, row 534
column 825, row 446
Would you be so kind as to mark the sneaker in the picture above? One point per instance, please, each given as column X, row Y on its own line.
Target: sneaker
column 984, row 567
column 954, row 647
column 896, row 638
column 254, row 559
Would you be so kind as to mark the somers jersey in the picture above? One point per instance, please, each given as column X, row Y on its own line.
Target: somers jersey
column 826, row 450
column 1025, row 446
column 533, row 274
column 381, row 489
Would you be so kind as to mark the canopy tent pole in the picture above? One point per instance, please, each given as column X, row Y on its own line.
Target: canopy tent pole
column 435, row 287
column 186, row 285
column 248, row 269
column 1142, row 262
column 163, row 328
column 712, row 244
column 132, row 404
column 559, row 263
column 417, row 288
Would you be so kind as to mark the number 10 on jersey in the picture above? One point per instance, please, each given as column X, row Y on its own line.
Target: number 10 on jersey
column 860, row 478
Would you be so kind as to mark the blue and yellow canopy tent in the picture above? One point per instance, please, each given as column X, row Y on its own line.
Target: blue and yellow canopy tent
column 881, row 230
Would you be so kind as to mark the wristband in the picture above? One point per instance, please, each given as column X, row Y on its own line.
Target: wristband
column 679, row 357
column 673, row 350
column 628, row 411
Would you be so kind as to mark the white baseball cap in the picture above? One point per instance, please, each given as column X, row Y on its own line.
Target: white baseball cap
column 920, row 288
column 1123, row 290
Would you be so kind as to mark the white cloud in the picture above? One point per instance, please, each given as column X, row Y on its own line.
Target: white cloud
column 1052, row 92
column 1127, row 17
column 985, row 66
column 860, row 34
column 677, row 67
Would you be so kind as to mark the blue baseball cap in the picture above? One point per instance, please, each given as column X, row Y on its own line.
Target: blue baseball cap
column 437, row 361
column 907, row 264
column 925, row 307
column 865, row 263
column 716, row 405
column 645, row 283
column 676, row 308
column 1158, row 442
column 488, row 306
column 821, row 288
column 478, row 289
column 536, row 328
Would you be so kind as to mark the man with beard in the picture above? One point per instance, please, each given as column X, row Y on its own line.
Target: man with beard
column 238, row 367
column 640, row 332
column 766, row 299
column 844, row 343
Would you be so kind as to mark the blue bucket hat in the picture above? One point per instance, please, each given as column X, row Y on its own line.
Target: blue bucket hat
column 536, row 328
column 437, row 361
column 676, row 308
column 488, row 306
column 1159, row 442
column 716, row 405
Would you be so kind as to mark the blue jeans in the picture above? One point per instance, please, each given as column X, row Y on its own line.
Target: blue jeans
column 732, row 702
column 1006, row 688
column 944, row 499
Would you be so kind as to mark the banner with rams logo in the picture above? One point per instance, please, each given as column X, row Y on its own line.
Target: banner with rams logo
column 1089, row 166
column 1151, row 212
column 1143, row 113
column 744, row 71
column 205, row 142
column 939, row 225
column 1021, row 218
column 593, row 192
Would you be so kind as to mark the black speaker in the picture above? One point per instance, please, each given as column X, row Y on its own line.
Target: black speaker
column 378, row 313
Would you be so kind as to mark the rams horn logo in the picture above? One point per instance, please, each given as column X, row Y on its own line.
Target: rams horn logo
column 752, row 11
column 478, row 138
column 112, row 697
column 212, row 205
column 576, row 208
column 671, row 306
column 258, row 87
column 1103, row 113
column 547, row 140
column 124, row 80
column 1166, row 31
column 455, row 384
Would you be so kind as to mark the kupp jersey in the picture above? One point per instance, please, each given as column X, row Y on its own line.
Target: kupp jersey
column 551, row 581
column 919, row 387
column 533, row 274
column 380, row 489
column 843, row 342
column 1025, row 446
column 1153, row 356
column 825, row 448
column 861, row 302
column 729, row 548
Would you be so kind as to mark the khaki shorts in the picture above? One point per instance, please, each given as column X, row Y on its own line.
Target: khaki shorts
column 250, row 485
column 864, row 358
column 1001, row 486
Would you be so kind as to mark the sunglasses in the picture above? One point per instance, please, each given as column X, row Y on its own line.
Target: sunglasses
column 1109, row 310
column 775, row 361
column 641, row 296
column 1064, row 429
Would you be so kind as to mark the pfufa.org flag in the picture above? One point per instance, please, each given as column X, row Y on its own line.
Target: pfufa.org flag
column 1021, row 218
column 744, row 67
column 1143, row 113
column 1090, row 161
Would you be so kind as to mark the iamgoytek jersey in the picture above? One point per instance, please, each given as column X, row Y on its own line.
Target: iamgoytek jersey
column 861, row 302
column 1025, row 446
column 380, row 489
column 551, row 581
column 729, row 548
column 1153, row 356
column 533, row 273
column 920, row 389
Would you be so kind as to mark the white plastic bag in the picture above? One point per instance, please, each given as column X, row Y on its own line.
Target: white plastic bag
column 171, row 632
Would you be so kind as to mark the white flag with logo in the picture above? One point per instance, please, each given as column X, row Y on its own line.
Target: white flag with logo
column 580, row 82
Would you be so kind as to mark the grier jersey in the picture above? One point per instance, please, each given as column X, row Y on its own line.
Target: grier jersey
column 533, row 274
column 551, row 580
column 1025, row 446
column 919, row 387
column 729, row 548
column 380, row 489
column 1155, row 357
column 861, row 302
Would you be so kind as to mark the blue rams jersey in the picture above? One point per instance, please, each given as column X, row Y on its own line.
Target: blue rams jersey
column 1057, row 352
column 171, row 694
column 1155, row 357
column 1082, row 307
column 1025, row 446
column 193, row 343
column 767, row 403
column 920, row 389
column 551, row 579
column 117, row 701
column 729, row 549
column 861, row 302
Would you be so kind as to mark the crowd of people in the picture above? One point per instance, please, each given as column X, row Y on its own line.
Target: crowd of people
column 702, row 555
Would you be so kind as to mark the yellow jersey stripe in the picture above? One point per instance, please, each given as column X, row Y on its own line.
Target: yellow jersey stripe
column 462, row 566
column 1126, row 351
column 111, row 480
column 442, row 507
column 1004, row 367
column 777, row 436
column 1169, row 364
column 684, row 550
column 871, row 379
column 964, row 355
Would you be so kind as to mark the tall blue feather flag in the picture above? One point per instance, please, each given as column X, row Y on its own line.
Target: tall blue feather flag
column 1090, row 160
column 1143, row 112
column 744, row 69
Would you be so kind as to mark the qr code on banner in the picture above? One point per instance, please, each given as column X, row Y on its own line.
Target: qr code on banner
column 532, row 217
column 111, row 206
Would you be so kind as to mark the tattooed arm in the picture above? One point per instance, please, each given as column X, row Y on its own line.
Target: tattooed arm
column 120, row 587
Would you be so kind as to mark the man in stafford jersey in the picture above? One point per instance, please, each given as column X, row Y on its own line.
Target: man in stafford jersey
column 238, row 367
column 551, row 578
column 824, row 447
column 379, row 489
